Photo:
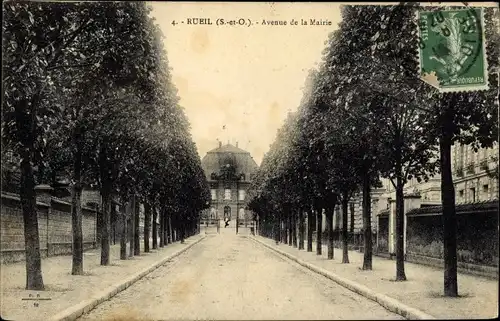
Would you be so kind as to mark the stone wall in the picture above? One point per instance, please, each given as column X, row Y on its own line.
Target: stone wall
column 477, row 237
column 54, row 224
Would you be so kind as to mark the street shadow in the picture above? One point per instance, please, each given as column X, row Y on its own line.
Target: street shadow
column 440, row 295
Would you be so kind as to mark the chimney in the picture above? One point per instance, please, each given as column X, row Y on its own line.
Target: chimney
column 220, row 144
column 236, row 144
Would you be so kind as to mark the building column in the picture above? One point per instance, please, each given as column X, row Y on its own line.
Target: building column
column 412, row 201
column 392, row 227
column 323, row 221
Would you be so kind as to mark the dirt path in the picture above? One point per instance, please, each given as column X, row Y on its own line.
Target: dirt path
column 230, row 277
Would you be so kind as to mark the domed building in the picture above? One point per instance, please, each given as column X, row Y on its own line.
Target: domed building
column 229, row 171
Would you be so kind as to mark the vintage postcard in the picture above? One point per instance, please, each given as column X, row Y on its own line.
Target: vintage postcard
column 198, row 160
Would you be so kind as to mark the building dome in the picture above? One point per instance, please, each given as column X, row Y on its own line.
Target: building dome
column 229, row 158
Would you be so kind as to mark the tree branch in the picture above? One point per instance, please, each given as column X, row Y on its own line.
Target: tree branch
column 72, row 37
column 392, row 182
column 70, row 66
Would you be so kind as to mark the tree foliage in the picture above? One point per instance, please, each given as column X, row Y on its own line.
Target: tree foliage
column 365, row 115
column 89, row 97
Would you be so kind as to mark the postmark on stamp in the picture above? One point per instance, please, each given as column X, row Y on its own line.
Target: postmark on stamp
column 452, row 51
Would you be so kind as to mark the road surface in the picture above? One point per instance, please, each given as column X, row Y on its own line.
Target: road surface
column 229, row 277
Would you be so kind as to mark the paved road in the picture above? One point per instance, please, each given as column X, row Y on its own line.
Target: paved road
column 230, row 277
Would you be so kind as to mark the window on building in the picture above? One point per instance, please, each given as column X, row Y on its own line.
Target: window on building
column 473, row 194
column 461, row 193
column 486, row 190
column 214, row 194
column 241, row 195
column 461, row 155
column 227, row 194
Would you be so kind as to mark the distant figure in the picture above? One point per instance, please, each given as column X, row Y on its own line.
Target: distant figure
column 226, row 223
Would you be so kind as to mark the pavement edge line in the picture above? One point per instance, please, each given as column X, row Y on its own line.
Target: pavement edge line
column 385, row 301
column 78, row 310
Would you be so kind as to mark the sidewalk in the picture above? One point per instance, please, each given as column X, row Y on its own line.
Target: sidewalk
column 423, row 289
column 65, row 290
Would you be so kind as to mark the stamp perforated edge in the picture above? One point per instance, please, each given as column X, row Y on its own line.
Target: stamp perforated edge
column 486, row 86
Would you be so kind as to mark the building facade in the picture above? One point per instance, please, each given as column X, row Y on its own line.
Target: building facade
column 229, row 170
column 474, row 181
column 473, row 173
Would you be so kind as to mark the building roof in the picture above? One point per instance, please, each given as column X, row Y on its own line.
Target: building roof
column 217, row 157
column 228, row 148
column 478, row 207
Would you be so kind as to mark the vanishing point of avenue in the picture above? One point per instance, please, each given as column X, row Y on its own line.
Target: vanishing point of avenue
column 249, row 161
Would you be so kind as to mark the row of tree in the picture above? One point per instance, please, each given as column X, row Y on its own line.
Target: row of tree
column 366, row 115
column 88, row 96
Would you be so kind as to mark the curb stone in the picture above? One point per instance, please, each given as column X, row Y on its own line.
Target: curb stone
column 388, row 303
column 72, row 313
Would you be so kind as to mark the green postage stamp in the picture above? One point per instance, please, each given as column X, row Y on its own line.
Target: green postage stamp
column 452, row 51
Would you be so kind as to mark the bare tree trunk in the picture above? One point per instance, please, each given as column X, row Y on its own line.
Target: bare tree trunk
column 310, row 228
column 76, row 208
column 277, row 230
column 345, row 235
column 112, row 225
column 162, row 226
column 182, row 230
column 351, row 227
column 301, row 229
column 137, row 244
column 166, row 225
column 76, row 221
column 284, row 228
column 175, row 226
column 170, row 229
column 329, row 226
column 319, row 227
column 155, row 228
column 98, row 237
column 34, row 280
column 400, row 259
column 132, row 228
column 289, row 214
column 123, row 236
column 106, row 224
column 294, row 227
column 449, row 216
column 147, row 224
column 367, row 226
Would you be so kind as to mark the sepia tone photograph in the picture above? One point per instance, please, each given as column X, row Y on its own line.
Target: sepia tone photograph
column 171, row 160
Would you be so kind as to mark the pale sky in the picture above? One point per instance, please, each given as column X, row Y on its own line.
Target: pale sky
column 246, row 78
